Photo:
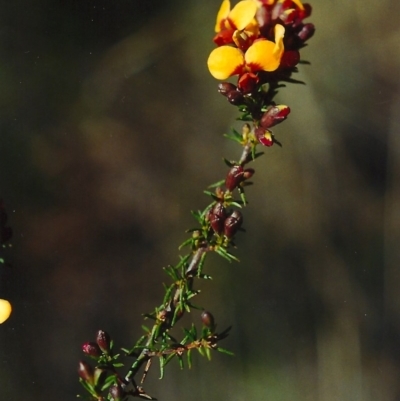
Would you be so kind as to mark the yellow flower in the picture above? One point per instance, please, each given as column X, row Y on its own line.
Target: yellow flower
column 5, row 310
column 238, row 18
column 262, row 55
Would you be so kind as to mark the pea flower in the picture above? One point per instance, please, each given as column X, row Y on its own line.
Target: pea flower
column 238, row 25
column 262, row 55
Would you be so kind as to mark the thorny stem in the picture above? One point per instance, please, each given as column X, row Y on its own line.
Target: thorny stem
column 191, row 271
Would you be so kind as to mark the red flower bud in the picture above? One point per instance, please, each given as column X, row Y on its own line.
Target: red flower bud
column 248, row 173
column 306, row 32
column 235, row 97
column 233, row 223
column 248, row 82
column 264, row 136
column 225, row 87
column 234, row 177
column 85, row 372
column 290, row 59
column 116, row 392
column 217, row 218
column 274, row 115
column 91, row 349
column 103, row 341
column 208, row 319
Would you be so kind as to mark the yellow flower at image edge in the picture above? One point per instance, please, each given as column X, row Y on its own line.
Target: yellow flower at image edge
column 238, row 18
column 262, row 55
column 5, row 310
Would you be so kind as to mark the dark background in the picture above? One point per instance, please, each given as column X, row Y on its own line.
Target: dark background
column 111, row 128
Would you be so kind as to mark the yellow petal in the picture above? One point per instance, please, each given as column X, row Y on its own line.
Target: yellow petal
column 252, row 29
column 222, row 14
column 225, row 61
column 5, row 310
column 260, row 56
column 279, row 32
column 242, row 14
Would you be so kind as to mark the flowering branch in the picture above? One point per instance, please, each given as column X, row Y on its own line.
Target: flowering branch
column 258, row 41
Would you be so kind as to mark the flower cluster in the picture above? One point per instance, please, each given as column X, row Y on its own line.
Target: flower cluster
column 259, row 41
column 5, row 235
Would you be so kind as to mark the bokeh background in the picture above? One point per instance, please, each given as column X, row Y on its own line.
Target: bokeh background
column 111, row 127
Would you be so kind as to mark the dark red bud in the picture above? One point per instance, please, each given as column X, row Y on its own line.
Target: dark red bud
column 234, row 178
column 85, row 372
column 103, row 340
column 248, row 173
column 91, row 349
column 208, row 319
column 290, row 59
column 307, row 11
column 248, row 82
column 235, row 97
column 225, row 87
column 306, row 32
column 217, row 218
column 274, row 115
column 264, row 136
column 233, row 223
column 116, row 392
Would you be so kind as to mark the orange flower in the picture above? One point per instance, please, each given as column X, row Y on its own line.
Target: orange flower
column 262, row 55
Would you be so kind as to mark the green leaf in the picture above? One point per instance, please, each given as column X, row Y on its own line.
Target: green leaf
column 229, row 163
column 88, row 387
column 109, row 381
column 243, row 197
column 226, row 255
column 183, row 261
column 169, row 290
column 216, row 184
column 189, row 358
column 225, row 351
column 212, row 194
column 257, row 155
column 187, row 242
column 162, row 366
column 293, row 81
column 208, row 353
column 118, row 365
column 201, row 263
column 197, row 215
column 180, row 360
column 201, row 352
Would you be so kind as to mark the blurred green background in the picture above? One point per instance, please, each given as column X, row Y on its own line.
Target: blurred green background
column 111, row 128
